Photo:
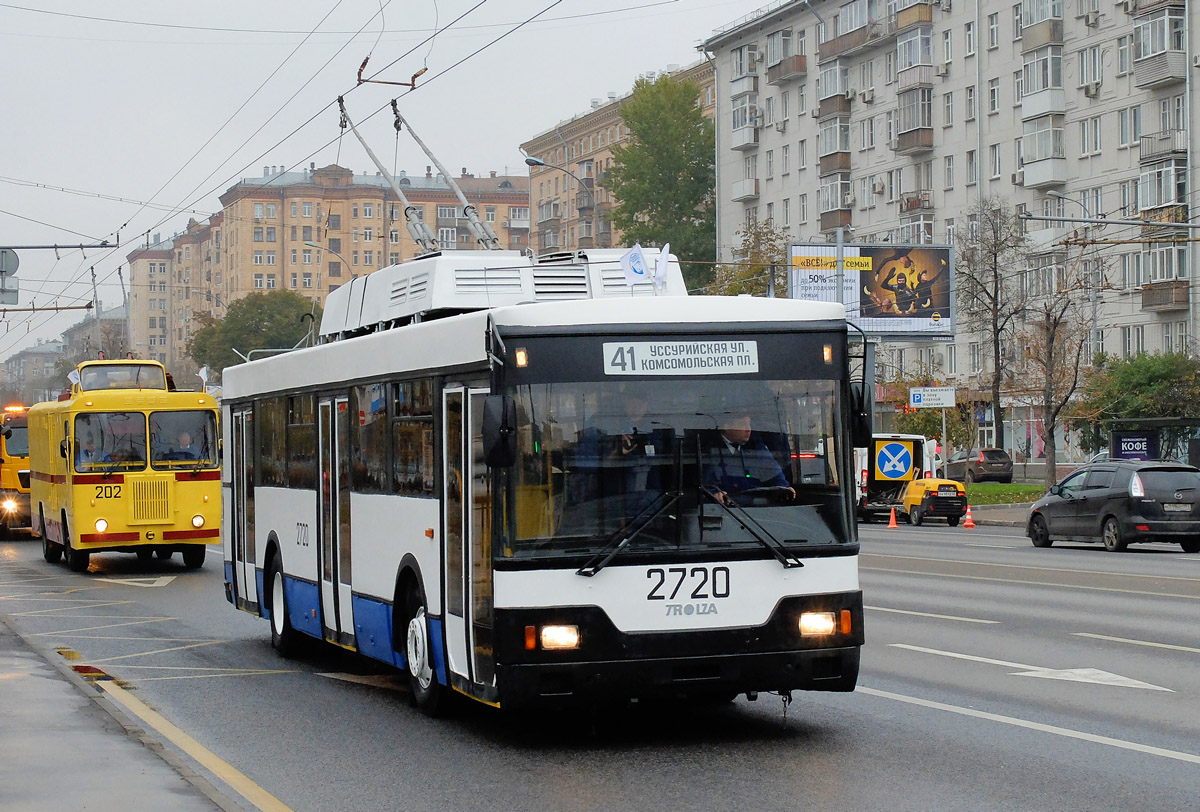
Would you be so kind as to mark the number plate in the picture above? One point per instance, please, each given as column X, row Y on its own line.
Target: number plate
column 1177, row 507
column 947, row 490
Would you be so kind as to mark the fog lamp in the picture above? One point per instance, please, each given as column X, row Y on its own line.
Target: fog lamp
column 197, row 521
column 101, row 525
column 560, row 637
column 817, row 624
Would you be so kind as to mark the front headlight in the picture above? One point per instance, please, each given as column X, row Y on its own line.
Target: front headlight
column 101, row 525
column 9, row 505
column 560, row 637
column 197, row 521
column 817, row 624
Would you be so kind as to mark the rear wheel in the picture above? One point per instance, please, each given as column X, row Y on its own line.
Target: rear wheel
column 427, row 693
column 284, row 638
column 952, row 521
column 1190, row 546
column 193, row 556
column 51, row 551
column 970, row 476
column 145, row 553
column 916, row 516
column 1113, row 541
column 164, row 553
column 1039, row 533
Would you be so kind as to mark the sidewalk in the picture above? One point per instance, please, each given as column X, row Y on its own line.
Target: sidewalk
column 1003, row 515
column 62, row 748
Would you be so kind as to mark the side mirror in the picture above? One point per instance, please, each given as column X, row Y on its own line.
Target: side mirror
column 499, row 431
column 860, row 416
column 62, row 449
column 1056, row 490
column 7, row 433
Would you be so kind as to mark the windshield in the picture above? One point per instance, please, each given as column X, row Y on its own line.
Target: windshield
column 110, row 441
column 16, row 443
column 122, row 376
column 695, row 456
column 183, row 439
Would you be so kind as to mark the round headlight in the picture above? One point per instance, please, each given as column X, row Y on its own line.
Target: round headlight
column 101, row 525
column 197, row 521
column 8, row 505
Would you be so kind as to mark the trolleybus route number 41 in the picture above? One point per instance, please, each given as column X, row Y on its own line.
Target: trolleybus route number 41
column 718, row 357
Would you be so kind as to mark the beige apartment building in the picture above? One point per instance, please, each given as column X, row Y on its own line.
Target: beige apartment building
column 891, row 118
column 309, row 232
column 570, row 201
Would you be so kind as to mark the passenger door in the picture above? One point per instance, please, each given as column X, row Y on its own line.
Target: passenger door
column 467, row 511
column 241, row 510
column 1061, row 511
column 1090, row 502
column 333, row 519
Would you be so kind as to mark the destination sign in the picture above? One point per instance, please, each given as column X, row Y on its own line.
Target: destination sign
column 721, row 357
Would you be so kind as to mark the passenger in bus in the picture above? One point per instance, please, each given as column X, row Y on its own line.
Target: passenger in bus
column 624, row 453
column 88, row 455
column 738, row 461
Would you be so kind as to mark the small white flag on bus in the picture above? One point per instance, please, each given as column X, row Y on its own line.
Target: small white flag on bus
column 202, row 374
column 660, row 265
column 633, row 263
column 73, row 377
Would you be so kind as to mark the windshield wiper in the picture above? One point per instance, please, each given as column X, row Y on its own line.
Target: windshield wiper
column 628, row 532
column 762, row 535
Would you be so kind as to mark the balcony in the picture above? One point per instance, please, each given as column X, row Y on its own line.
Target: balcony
column 849, row 42
column 522, row 223
column 1163, row 296
column 1166, row 215
column 744, row 138
column 1052, row 100
column 1162, row 145
column 835, row 105
column 744, row 189
column 792, row 67
column 1046, row 172
column 585, row 201
column 1039, row 35
column 913, row 141
column 913, row 15
column 916, row 76
column 1160, row 70
column 586, row 242
column 838, row 218
column 916, row 201
column 834, row 162
column 747, row 83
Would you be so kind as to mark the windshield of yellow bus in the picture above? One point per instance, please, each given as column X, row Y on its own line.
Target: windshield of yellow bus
column 16, row 439
column 122, row 376
column 183, row 439
column 110, row 441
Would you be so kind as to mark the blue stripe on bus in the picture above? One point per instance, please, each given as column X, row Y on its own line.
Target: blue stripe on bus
column 229, row 573
column 438, row 646
column 373, row 630
column 304, row 606
column 262, row 600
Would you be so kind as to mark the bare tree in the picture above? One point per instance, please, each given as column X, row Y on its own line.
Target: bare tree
column 762, row 263
column 994, row 249
column 1054, row 332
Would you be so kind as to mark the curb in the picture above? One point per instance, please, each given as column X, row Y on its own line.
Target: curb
column 130, row 725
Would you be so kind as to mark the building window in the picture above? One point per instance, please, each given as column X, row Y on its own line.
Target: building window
column 448, row 238
column 1089, row 136
column 993, row 32
column 972, row 168
column 270, row 257
column 271, row 234
column 970, row 112
column 1089, row 66
column 270, row 281
column 948, row 109
column 308, row 280
column 1123, row 44
column 258, row 234
column 258, row 211
column 969, row 39
column 258, row 280
column 258, row 257
column 1043, row 138
column 994, row 152
column 335, row 269
column 294, row 255
column 993, row 95
column 948, row 171
column 1043, row 69
column 368, row 209
column 308, row 256
column 1159, row 32
column 802, row 209
column 947, row 46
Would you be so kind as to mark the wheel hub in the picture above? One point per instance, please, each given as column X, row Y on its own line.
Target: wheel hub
column 277, row 603
column 418, row 649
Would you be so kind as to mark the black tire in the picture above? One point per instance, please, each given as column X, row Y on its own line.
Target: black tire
column 1039, row 532
column 952, row 521
column 144, row 554
column 427, row 694
column 1190, row 545
column 193, row 556
column 970, row 476
column 164, row 553
column 1006, row 480
column 77, row 560
column 916, row 516
column 284, row 639
column 1111, row 536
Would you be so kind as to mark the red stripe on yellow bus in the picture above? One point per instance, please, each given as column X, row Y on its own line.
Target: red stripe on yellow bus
column 99, row 479
column 54, row 479
column 173, row 535
column 191, row 476
column 98, row 538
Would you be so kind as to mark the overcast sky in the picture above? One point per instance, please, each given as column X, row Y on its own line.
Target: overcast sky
column 134, row 115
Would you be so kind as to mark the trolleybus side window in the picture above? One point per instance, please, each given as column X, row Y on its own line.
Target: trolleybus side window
column 302, row 442
column 271, row 419
column 369, row 471
column 412, row 438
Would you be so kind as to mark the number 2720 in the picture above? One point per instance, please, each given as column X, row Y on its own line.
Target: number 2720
column 704, row 583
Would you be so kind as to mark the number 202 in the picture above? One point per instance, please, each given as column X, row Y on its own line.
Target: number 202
column 706, row 584
column 108, row 491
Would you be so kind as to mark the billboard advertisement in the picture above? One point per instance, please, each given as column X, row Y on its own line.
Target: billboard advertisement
column 893, row 290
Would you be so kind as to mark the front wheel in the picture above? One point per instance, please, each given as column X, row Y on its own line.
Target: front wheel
column 427, row 693
column 952, row 521
column 916, row 516
column 1113, row 541
column 284, row 638
column 1039, row 532
column 1190, row 545
column 193, row 556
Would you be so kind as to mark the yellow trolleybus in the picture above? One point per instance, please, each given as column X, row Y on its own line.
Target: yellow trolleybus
column 122, row 462
column 14, row 470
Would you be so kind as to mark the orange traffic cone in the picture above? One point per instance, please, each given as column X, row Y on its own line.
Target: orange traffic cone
column 892, row 522
column 969, row 524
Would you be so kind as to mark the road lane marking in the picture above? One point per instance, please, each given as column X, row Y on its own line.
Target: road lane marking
column 149, row 583
column 1090, row 675
column 97, row 605
column 1137, row 642
column 1031, row 567
column 159, row 651
column 996, row 546
column 106, row 626
column 1032, row 583
column 249, row 790
column 247, row 673
column 928, row 614
column 1066, row 732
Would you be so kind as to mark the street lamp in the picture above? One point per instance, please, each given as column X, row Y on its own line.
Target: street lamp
column 531, row 161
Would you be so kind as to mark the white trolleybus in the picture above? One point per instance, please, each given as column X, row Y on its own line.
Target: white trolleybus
column 525, row 481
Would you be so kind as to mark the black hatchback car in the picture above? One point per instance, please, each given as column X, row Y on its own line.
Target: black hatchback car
column 1119, row 503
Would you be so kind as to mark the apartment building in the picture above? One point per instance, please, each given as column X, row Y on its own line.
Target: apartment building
column 570, row 200
column 309, row 232
column 30, row 372
column 893, row 118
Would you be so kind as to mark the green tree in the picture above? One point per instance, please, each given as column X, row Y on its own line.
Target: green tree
column 763, row 252
column 259, row 321
column 1155, row 386
column 663, row 178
